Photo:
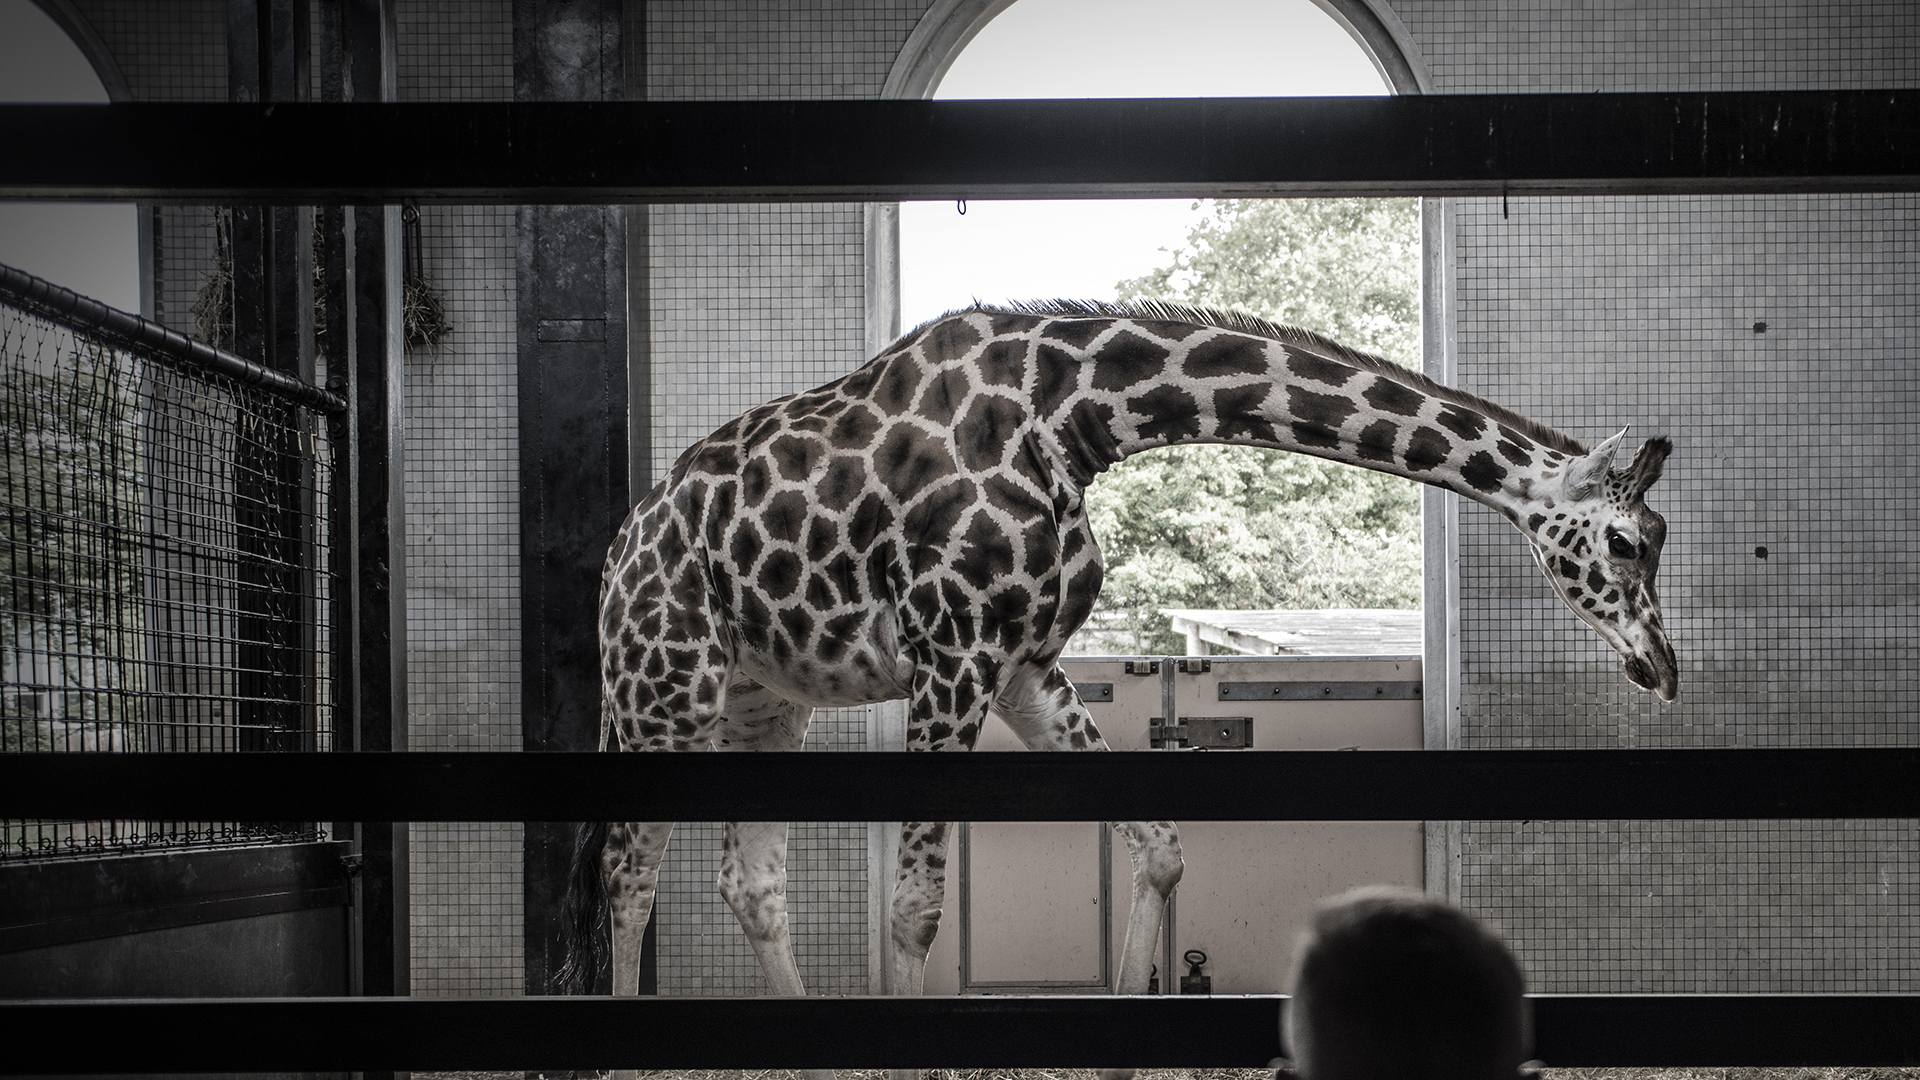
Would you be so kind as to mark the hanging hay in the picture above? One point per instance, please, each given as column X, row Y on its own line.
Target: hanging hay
column 213, row 300
column 424, row 313
column 423, row 310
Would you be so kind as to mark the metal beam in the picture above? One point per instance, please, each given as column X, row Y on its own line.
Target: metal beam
column 750, row 151
column 554, row 1034
column 1265, row 785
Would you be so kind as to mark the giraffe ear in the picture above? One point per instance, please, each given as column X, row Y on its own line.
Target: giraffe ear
column 1646, row 465
column 1585, row 476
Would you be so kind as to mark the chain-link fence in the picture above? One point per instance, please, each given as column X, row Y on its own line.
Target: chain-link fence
column 165, row 579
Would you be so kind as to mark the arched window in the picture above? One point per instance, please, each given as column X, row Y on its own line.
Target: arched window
column 91, row 248
column 1297, row 539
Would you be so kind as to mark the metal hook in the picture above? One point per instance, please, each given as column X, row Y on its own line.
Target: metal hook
column 962, row 204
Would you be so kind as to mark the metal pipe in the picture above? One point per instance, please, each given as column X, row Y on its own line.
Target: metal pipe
column 41, row 297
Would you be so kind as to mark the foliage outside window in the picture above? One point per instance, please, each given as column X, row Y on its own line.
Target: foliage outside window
column 1245, row 528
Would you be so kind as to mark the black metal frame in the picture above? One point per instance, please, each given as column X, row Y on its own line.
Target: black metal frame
column 533, row 153
column 551, row 1034
column 1263, row 785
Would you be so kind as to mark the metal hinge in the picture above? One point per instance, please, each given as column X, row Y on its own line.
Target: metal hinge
column 1143, row 667
column 1195, row 665
column 353, row 864
column 1202, row 733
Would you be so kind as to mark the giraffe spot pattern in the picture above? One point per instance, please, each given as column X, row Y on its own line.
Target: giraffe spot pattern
column 918, row 527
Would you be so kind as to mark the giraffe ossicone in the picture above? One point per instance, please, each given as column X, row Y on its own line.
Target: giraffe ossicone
column 917, row 530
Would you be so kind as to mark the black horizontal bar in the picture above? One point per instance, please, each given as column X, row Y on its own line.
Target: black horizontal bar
column 535, row 1033
column 583, row 152
column 67, row 308
column 1374, row 785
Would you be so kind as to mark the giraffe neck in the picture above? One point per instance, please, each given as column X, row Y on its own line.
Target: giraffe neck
column 1149, row 384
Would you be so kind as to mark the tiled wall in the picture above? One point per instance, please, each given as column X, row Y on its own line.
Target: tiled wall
column 463, row 525
column 1592, row 314
column 748, row 303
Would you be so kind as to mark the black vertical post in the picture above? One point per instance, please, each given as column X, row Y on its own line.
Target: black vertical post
column 365, row 357
column 572, row 330
column 633, row 41
column 273, row 322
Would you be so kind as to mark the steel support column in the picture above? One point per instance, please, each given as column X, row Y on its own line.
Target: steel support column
column 572, row 282
column 364, row 363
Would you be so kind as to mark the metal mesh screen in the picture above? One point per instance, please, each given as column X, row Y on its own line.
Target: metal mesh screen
column 166, row 579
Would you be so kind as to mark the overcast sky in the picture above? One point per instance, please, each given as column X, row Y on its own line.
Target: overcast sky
column 998, row 251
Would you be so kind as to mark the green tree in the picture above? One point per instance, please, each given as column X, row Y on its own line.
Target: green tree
column 1241, row 527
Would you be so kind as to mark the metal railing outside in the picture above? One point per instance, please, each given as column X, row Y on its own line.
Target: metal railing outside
column 165, row 566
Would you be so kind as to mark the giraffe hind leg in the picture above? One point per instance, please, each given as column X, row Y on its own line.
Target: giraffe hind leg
column 753, row 854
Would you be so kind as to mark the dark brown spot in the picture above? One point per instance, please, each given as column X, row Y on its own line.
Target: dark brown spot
column 1126, row 361
column 1238, row 408
column 1317, row 417
column 780, row 574
column 786, row 515
column 1482, row 472
column 1376, row 440
column 991, row 421
column 1004, row 363
column 943, row 394
column 841, row 483
column 950, row 338
column 1319, row 368
column 909, row 460
column 1389, row 396
column 1076, row 332
column 1426, row 449
column 893, row 392
column 1461, row 421
column 1171, row 414
column 795, row 457
column 1057, row 376
column 854, row 429
column 1226, row 355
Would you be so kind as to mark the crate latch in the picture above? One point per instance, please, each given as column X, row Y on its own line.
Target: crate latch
column 1202, row 733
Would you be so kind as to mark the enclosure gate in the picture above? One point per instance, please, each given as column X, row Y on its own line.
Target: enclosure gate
column 171, row 585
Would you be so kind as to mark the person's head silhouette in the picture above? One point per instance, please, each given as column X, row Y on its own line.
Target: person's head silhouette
column 1390, row 984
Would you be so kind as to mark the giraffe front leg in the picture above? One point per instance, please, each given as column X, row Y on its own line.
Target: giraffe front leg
column 919, row 892
column 753, row 881
column 1154, row 847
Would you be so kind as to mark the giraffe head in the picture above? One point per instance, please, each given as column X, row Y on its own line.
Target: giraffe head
column 1599, row 543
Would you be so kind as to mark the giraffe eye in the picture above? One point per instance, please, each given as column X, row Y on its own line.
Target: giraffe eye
column 1622, row 547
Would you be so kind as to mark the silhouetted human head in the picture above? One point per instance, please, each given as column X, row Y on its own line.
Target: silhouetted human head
column 1390, row 984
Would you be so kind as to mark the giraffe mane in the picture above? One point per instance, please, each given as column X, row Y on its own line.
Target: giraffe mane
column 1242, row 322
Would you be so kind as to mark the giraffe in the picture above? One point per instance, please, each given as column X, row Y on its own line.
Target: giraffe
column 917, row 530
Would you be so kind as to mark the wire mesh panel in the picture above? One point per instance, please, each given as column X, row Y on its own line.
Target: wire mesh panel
column 166, row 581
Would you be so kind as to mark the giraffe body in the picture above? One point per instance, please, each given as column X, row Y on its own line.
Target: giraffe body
column 917, row 530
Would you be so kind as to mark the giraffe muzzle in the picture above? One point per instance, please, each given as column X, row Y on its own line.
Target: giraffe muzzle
column 1663, row 679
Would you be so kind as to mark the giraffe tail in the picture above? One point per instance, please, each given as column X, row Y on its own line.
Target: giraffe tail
column 584, row 912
